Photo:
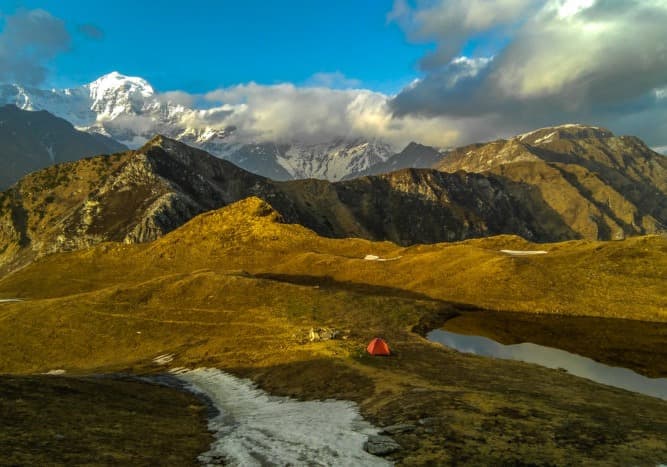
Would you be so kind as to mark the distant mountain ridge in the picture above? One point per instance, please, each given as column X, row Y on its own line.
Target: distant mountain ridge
column 553, row 184
column 138, row 196
column 129, row 110
column 33, row 140
column 413, row 156
column 603, row 186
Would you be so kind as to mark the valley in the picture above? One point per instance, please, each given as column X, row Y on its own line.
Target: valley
column 145, row 269
column 383, row 233
column 238, row 289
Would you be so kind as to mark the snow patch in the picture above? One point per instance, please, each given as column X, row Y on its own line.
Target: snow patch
column 524, row 252
column 10, row 300
column 254, row 428
column 546, row 139
column 164, row 359
column 523, row 136
column 661, row 150
column 377, row 258
column 55, row 372
column 52, row 156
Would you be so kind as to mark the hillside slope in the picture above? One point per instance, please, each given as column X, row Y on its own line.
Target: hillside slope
column 602, row 186
column 137, row 196
column 238, row 289
column 33, row 140
column 625, row 279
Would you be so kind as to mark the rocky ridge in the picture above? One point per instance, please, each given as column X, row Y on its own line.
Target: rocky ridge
column 603, row 186
column 138, row 196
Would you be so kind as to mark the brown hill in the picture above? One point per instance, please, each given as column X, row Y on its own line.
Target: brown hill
column 549, row 185
column 601, row 186
column 138, row 196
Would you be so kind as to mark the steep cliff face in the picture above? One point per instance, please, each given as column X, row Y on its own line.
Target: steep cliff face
column 603, row 186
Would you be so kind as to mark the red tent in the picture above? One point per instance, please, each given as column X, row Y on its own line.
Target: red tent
column 378, row 347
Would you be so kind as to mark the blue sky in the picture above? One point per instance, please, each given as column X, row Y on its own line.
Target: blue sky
column 443, row 72
column 198, row 46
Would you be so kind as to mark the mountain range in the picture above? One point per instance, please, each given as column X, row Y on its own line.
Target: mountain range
column 602, row 186
column 129, row 110
column 597, row 187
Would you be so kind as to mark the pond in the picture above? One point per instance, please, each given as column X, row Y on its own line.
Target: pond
column 553, row 358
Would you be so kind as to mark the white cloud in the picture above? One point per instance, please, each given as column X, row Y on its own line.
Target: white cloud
column 603, row 62
column 569, row 8
column 177, row 98
column 286, row 112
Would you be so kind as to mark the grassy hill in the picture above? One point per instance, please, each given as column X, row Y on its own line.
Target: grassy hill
column 238, row 289
column 623, row 279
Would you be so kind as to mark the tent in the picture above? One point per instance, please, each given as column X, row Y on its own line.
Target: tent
column 378, row 347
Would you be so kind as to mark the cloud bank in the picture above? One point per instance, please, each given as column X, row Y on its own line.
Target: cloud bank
column 601, row 62
column 497, row 68
column 286, row 112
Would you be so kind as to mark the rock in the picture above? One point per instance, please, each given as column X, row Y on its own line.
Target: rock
column 427, row 421
column 396, row 429
column 322, row 334
column 380, row 445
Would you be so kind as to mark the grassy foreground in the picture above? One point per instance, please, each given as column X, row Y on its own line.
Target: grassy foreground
column 51, row 420
column 237, row 290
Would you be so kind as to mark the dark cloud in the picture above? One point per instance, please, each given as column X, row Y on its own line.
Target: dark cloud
column 29, row 39
column 599, row 62
column 91, row 31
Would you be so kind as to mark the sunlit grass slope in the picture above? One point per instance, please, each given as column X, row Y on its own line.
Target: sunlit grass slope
column 237, row 289
column 624, row 279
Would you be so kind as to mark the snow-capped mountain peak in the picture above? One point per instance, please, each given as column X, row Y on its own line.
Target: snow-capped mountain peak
column 115, row 94
column 128, row 109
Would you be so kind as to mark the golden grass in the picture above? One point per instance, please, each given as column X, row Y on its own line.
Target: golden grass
column 624, row 279
column 49, row 420
column 237, row 290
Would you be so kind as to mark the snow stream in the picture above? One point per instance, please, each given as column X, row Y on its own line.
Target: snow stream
column 255, row 428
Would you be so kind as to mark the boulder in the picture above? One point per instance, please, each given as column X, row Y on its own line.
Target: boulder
column 380, row 445
column 322, row 334
column 396, row 429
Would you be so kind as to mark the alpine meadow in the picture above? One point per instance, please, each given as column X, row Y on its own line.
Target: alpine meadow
column 408, row 232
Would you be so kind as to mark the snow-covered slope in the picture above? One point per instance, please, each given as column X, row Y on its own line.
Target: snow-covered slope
column 129, row 110
column 335, row 159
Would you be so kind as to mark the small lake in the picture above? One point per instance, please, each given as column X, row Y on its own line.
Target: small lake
column 553, row 358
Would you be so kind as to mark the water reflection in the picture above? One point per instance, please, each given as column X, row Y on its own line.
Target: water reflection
column 554, row 358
